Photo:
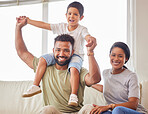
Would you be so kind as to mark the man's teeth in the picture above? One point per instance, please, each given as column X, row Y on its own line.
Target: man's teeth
column 61, row 58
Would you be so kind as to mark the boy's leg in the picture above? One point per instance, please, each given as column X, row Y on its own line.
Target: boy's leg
column 44, row 61
column 74, row 80
column 74, row 68
column 40, row 71
column 35, row 89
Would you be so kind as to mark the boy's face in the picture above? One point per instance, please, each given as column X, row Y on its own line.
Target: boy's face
column 73, row 16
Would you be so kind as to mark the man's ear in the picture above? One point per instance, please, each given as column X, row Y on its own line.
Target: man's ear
column 66, row 14
column 81, row 17
column 72, row 52
column 53, row 50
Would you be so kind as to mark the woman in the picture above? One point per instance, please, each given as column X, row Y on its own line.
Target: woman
column 120, row 89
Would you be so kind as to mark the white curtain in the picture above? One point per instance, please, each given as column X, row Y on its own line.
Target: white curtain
column 4, row 3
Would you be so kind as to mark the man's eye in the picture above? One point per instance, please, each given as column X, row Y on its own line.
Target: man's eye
column 57, row 50
column 113, row 55
column 66, row 50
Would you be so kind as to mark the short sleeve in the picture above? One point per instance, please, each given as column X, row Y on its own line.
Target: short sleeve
column 83, row 73
column 59, row 28
column 85, row 32
column 35, row 63
column 134, row 90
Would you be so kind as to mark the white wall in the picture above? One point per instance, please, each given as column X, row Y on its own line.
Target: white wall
column 142, row 39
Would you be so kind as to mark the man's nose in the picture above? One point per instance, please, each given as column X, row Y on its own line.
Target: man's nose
column 61, row 53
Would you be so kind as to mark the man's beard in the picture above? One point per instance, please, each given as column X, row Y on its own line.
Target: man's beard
column 63, row 63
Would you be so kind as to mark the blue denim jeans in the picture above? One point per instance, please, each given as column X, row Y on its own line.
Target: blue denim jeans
column 121, row 110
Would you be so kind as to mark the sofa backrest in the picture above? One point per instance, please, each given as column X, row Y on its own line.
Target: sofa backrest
column 11, row 101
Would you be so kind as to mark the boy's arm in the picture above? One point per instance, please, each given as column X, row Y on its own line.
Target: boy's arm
column 39, row 24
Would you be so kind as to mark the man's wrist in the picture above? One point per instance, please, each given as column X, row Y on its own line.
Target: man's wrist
column 90, row 53
column 18, row 27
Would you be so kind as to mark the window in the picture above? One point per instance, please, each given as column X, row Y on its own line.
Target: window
column 12, row 68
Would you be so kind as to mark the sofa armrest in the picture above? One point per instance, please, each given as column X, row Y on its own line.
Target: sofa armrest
column 144, row 93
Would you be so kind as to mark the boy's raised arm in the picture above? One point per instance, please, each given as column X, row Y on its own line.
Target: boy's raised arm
column 39, row 24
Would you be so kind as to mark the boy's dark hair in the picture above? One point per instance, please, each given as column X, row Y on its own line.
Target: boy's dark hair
column 78, row 6
column 124, row 47
column 65, row 38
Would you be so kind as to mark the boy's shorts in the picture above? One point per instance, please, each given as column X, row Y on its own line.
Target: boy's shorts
column 76, row 61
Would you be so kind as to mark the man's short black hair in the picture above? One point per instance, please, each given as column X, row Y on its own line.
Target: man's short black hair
column 65, row 38
column 78, row 6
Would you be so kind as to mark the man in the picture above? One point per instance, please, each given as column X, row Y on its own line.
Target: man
column 56, row 80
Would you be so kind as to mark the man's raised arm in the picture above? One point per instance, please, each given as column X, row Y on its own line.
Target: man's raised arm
column 21, row 49
column 94, row 75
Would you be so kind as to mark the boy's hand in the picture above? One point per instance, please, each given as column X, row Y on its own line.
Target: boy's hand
column 22, row 18
column 91, row 43
column 21, row 21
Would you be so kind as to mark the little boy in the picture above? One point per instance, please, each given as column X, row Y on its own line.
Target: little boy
column 74, row 14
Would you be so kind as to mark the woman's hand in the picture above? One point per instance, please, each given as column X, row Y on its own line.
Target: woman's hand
column 98, row 109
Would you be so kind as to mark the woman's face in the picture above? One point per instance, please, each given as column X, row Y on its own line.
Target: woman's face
column 117, row 58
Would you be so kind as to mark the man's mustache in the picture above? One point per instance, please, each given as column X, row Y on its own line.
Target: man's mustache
column 62, row 57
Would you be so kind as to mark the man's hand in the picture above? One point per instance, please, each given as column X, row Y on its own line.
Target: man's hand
column 21, row 21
